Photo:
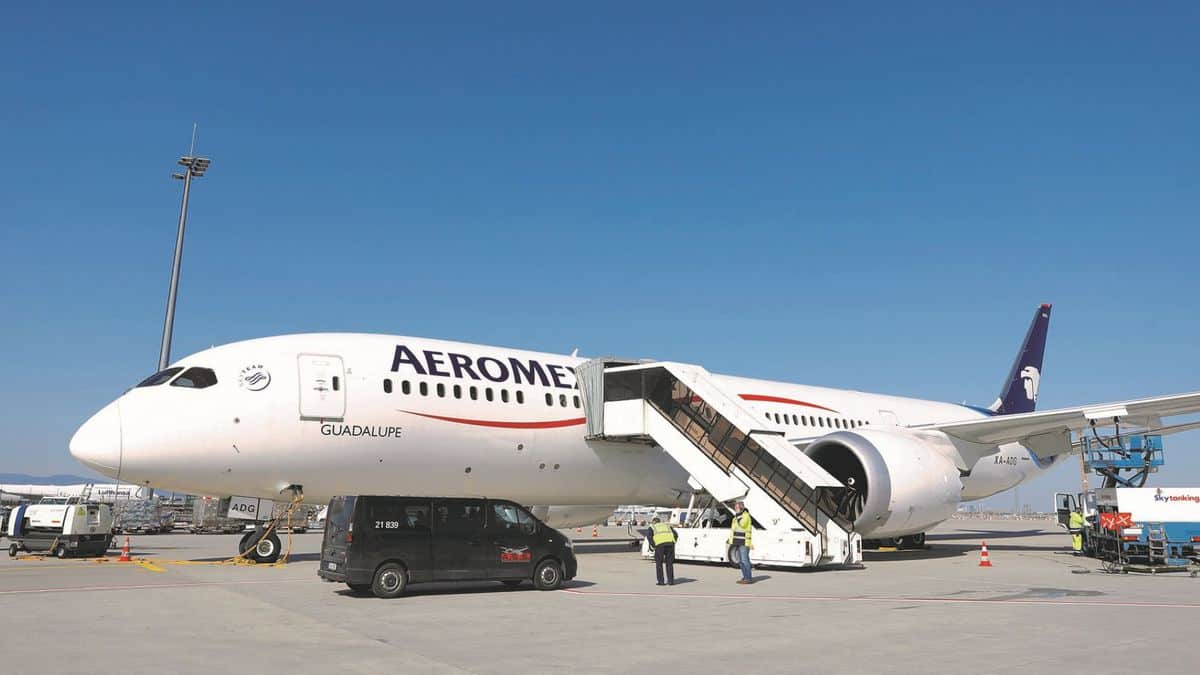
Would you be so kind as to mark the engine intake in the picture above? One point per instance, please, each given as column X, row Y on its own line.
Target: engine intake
column 904, row 482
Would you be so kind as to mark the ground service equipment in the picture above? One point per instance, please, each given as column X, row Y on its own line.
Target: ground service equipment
column 1138, row 529
column 61, row 527
column 800, row 508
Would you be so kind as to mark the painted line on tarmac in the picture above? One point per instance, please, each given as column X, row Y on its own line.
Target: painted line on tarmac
column 138, row 587
column 146, row 564
column 897, row 599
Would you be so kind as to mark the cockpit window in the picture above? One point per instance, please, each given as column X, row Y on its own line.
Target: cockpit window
column 159, row 377
column 196, row 378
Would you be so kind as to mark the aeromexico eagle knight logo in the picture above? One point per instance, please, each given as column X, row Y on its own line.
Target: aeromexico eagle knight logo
column 254, row 378
column 1030, row 377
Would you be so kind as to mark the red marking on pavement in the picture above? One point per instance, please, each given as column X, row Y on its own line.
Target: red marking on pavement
column 135, row 587
column 898, row 599
column 550, row 424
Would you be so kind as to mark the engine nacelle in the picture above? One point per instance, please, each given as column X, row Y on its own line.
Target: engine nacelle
column 906, row 481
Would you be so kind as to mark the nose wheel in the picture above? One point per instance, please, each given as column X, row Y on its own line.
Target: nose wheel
column 261, row 549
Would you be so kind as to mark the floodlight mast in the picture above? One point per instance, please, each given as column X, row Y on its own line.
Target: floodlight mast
column 193, row 167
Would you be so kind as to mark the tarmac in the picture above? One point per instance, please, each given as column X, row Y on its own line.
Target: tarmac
column 1036, row 610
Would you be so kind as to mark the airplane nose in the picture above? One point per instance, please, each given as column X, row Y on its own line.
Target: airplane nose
column 97, row 443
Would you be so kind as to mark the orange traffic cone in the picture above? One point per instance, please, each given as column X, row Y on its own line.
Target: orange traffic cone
column 595, row 530
column 125, row 552
column 983, row 556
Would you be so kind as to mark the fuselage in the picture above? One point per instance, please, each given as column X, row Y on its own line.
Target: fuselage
column 377, row 414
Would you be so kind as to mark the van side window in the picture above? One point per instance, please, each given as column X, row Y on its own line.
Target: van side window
column 509, row 518
column 456, row 517
column 394, row 515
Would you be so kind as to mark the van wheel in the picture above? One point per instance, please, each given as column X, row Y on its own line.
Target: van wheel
column 13, row 550
column 390, row 581
column 547, row 576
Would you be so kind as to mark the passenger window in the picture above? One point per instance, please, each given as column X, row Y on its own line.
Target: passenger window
column 441, row 390
column 457, row 391
column 387, row 386
column 820, row 422
column 336, row 383
column 520, row 397
column 474, row 393
column 576, row 401
column 509, row 518
column 405, row 387
column 196, row 378
column 424, row 386
column 487, row 393
column 504, row 395
column 549, row 398
column 159, row 377
column 562, row 400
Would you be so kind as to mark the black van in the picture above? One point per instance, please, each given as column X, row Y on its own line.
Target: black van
column 382, row 544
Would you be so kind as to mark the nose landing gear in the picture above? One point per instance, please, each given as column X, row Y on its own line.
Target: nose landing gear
column 263, row 545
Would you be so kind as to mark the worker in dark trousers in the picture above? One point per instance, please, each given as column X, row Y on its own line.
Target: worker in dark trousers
column 663, row 537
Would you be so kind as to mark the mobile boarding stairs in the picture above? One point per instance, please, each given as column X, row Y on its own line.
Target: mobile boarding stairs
column 800, row 507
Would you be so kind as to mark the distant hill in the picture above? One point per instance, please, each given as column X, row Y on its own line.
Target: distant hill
column 57, row 479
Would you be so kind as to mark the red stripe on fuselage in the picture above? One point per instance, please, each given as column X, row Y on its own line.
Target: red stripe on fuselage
column 501, row 424
column 789, row 401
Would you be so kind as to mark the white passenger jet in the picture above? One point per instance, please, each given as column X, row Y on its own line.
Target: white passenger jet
column 331, row 414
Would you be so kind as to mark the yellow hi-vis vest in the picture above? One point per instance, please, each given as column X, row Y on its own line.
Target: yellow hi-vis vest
column 742, row 525
column 662, row 533
column 1076, row 522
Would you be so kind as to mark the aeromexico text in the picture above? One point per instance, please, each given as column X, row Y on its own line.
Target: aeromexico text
column 518, row 371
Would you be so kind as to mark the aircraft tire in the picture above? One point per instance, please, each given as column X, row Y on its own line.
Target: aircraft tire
column 267, row 549
column 13, row 550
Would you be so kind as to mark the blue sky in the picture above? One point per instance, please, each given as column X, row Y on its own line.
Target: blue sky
column 869, row 196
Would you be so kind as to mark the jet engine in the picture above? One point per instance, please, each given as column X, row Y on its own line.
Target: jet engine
column 904, row 481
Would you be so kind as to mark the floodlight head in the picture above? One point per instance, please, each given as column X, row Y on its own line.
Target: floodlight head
column 177, row 175
column 186, row 160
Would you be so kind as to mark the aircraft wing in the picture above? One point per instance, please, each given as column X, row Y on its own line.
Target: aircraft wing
column 1049, row 433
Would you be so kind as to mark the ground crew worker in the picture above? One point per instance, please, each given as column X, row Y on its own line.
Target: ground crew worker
column 740, row 531
column 1075, row 527
column 662, row 539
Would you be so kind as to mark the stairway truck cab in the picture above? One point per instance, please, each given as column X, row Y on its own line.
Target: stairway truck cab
column 382, row 544
column 60, row 527
column 1154, row 527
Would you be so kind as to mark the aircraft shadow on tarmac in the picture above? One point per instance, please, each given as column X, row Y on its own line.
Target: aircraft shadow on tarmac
column 990, row 534
column 606, row 547
column 295, row 557
column 952, row 550
column 460, row 588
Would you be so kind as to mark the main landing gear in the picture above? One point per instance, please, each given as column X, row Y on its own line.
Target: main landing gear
column 909, row 542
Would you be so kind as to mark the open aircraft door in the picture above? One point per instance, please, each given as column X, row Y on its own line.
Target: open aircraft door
column 322, row 387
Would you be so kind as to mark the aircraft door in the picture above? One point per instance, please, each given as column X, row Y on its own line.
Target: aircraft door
column 322, row 387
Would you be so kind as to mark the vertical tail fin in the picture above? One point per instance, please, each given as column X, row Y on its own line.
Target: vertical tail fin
column 1020, row 390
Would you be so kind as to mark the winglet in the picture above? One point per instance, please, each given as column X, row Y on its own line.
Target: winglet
column 1019, row 392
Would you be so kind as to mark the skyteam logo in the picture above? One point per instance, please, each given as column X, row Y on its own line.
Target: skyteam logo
column 254, row 378
column 1030, row 377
